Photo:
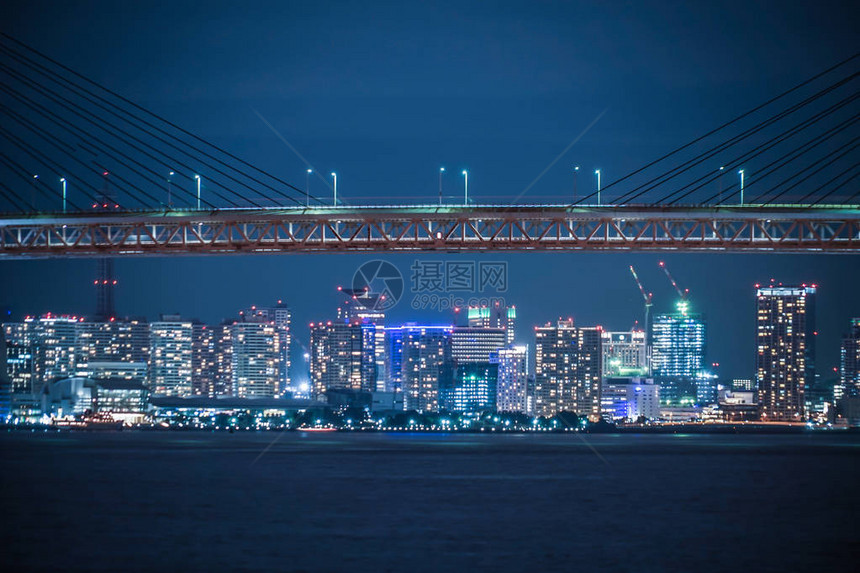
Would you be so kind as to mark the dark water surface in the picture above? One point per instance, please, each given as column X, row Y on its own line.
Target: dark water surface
column 418, row 502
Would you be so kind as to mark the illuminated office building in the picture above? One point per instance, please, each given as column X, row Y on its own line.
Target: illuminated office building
column 624, row 353
column 256, row 352
column 474, row 351
column 337, row 355
column 629, row 398
column 419, row 364
column 568, row 360
column 512, row 384
column 471, row 389
column 785, row 323
column 494, row 316
column 678, row 355
column 171, row 350
column 476, row 344
column 849, row 362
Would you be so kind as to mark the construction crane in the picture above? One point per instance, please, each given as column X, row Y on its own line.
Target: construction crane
column 681, row 293
column 646, row 296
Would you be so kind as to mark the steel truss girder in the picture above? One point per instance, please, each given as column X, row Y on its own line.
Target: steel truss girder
column 451, row 229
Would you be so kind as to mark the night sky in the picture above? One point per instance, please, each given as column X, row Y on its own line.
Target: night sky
column 386, row 93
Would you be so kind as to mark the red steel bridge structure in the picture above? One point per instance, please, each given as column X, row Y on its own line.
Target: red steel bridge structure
column 796, row 155
column 747, row 228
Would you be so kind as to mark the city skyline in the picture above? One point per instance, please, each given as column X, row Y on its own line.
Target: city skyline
column 728, row 326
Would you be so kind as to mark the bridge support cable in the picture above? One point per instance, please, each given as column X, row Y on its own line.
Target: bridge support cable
column 167, row 158
column 13, row 199
column 788, row 158
column 92, row 139
column 54, row 75
column 812, row 173
column 34, row 183
column 41, row 158
column 729, row 123
column 53, row 140
column 737, row 161
column 837, row 188
column 113, row 132
column 723, row 146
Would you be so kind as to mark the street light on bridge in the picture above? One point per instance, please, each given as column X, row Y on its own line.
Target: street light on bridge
column 741, row 173
column 597, row 172
column 466, row 187
column 575, row 173
column 197, row 177
column 63, row 181
column 334, row 176
column 441, row 171
column 169, row 180
column 308, row 186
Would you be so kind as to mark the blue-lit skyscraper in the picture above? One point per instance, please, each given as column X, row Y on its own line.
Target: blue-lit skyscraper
column 419, row 364
column 678, row 345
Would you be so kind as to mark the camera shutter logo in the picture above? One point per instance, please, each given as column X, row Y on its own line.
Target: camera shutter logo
column 378, row 285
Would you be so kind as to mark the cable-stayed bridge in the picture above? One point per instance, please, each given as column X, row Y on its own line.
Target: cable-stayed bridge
column 87, row 172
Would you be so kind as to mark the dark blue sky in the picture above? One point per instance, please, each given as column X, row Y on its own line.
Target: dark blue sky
column 385, row 93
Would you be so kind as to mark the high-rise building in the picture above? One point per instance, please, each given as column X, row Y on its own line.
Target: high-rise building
column 624, row 353
column 420, row 363
column 512, row 386
column 476, row 344
column 474, row 351
column 473, row 388
column 55, row 353
column 21, row 344
column 494, row 316
column 204, row 359
column 112, row 341
column 222, row 375
column 678, row 345
column 171, row 350
column 281, row 317
column 785, row 324
column 849, row 361
column 567, row 369
column 363, row 307
column 5, row 381
column 256, row 352
column 338, row 358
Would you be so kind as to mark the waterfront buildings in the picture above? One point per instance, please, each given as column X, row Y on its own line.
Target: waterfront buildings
column 473, row 388
column 624, row 353
column 255, row 359
column 849, row 361
column 171, row 349
column 567, row 369
column 678, row 344
column 785, row 340
column 420, row 363
column 336, row 357
column 494, row 316
column 629, row 399
column 474, row 351
column 513, row 379
column 280, row 317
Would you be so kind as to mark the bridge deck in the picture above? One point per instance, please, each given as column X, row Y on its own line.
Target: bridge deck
column 747, row 228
